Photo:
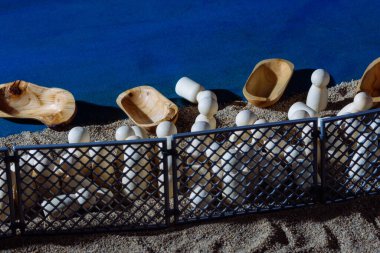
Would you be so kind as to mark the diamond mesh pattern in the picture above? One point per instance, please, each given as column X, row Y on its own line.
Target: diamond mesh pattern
column 141, row 184
column 6, row 198
column 93, row 187
column 352, row 156
column 229, row 172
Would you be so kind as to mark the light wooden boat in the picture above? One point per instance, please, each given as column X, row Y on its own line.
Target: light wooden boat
column 24, row 100
column 370, row 81
column 147, row 107
column 268, row 81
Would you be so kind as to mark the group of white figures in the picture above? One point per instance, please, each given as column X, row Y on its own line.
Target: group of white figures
column 365, row 140
column 84, row 176
column 238, row 166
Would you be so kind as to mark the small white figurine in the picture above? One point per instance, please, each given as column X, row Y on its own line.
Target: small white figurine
column 361, row 163
column 352, row 127
column 47, row 180
column 362, row 102
column 318, row 94
column 61, row 206
column 214, row 152
column 211, row 120
column 303, row 173
column 306, row 111
column 293, row 152
column 234, row 190
column 123, row 133
column 188, row 89
column 336, row 149
column 135, row 182
column 136, row 171
column 140, row 132
column 200, row 126
column 85, row 198
column 79, row 135
column 245, row 118
column 200, row 197
column 230, row 160
column 275, row 146
column 206, row 94
column 261, row 134
column 208, row 106
column 165, row 128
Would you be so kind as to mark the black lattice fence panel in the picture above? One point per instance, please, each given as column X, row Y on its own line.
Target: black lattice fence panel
column 244, row 170
column 351, row 155
column 96, row 186
column 7, row 218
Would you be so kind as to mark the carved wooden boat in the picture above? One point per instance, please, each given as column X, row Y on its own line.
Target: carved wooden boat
column 268, row 81
column 24, row 100
column 147, row 107
column 370, row 81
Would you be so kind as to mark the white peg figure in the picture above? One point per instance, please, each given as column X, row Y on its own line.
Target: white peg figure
column 318, row 94
column 243, row 118
column 188, row 89
column 79, row 135
column 362, row 102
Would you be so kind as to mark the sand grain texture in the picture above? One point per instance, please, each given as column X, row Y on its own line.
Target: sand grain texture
column 346, row 227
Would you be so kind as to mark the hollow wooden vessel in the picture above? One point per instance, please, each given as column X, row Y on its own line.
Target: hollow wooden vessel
column 24, row 100
column 268, row 81
column 147, row 107
column 370, row 81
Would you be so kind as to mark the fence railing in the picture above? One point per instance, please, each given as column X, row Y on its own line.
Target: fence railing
column 154, row 183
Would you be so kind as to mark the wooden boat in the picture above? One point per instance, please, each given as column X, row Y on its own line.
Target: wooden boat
column 147, row 107
column 268, row 81
column 24, row 100
column 370, row 81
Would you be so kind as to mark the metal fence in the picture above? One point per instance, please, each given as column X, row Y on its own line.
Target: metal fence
column 89, row 187
column 245, row 170
column 350, row 156
column 154, row 183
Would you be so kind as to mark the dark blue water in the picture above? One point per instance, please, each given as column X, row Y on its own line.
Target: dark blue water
column 96, row 49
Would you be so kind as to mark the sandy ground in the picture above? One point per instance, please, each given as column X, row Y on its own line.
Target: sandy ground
column 348, row 227
column 345, row 227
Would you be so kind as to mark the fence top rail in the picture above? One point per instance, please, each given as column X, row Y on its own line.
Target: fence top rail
column 243, row 128
column 90, row 144
column 349, row 115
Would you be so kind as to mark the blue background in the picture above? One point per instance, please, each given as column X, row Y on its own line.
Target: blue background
column 97, row 49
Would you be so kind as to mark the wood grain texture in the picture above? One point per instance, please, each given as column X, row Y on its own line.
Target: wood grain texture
column 370, row 81
column 24, row 100
column 268, row 81
column 147, row 107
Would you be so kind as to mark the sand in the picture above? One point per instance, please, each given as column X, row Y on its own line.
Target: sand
column 349, row 227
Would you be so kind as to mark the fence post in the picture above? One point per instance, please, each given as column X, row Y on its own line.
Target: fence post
column 8, row 161
column 169, row 160
column 315, row 162
column 322, row 163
